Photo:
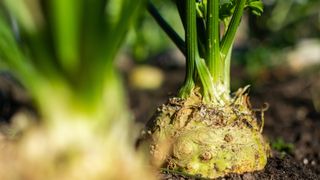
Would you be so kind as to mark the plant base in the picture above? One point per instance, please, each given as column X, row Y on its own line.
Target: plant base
column 207, row 140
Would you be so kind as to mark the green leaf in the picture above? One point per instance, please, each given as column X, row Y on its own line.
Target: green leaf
column 226, row 9
column 201, row 8
column 255, row 6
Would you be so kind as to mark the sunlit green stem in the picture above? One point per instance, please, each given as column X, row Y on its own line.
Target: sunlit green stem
column 228, row 38
column 191, row 46
column 227, row 67
column 213, row 40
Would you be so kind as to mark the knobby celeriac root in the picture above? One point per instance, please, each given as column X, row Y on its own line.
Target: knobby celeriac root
column 206, row 139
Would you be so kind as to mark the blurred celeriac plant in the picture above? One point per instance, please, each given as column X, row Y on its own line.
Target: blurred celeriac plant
column 63, row 53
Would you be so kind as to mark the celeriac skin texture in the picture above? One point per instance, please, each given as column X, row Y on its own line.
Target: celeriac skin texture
column 204, row 139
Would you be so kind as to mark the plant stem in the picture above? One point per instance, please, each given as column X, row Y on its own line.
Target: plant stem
column 227, row 64
column 173, row 35
column 191, row 32
column 191, row 47
column 228, row 38
column 213, row 46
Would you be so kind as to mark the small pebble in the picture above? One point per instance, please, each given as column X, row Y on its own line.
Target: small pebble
column 248, row 177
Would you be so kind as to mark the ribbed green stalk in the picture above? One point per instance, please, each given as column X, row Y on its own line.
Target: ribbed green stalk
column 213, row 42
column 191, row 46
column 227, row 66
column 227, row 40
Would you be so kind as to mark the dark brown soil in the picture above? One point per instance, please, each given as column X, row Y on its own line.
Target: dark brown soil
column 292, row 123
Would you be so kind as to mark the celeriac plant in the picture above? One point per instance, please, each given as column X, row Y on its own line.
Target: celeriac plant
column 205, row 130
column 63, row 53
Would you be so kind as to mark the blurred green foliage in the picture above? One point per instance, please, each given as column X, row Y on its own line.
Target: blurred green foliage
column 284, row 24
column 287, row 21
column 146, row 39
column 283, row 147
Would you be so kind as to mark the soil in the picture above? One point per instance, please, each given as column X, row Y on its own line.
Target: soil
column 292, row 118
